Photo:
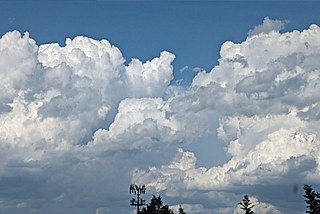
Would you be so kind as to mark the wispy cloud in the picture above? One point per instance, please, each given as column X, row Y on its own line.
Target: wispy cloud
column 184, row 68
column 11, row 19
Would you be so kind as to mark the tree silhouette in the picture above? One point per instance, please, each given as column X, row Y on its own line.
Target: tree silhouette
column 156, row 207
column 246, row 205
column 313, row 204
column 181, row 211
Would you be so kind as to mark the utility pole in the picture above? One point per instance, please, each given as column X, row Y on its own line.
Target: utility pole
column 137, row 190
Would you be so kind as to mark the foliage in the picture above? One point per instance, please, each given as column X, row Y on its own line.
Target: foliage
column 312, row 199
column 156, row 207
column 181, row 211
column 246, row 205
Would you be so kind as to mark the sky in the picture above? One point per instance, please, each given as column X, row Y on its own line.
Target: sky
column 201, row 101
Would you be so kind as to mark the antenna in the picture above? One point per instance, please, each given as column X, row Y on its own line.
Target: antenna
column 137, row 190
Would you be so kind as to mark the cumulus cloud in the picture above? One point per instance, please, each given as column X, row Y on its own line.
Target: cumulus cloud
column 267, row 26
column 71, row 98
column 265, row 91
column 56, row 100
column 78, row 124
column 259, row 207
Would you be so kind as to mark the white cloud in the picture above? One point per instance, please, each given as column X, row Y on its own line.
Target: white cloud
column 265, row 90
column 197, row 69
column 264, row 154
column 102, row 210
column 184, row 68
column 54, row 100
column 267, row 26
column 259, row 207
column 21, row 205
column 75, row 121
column 188, row 208
column 60, row 197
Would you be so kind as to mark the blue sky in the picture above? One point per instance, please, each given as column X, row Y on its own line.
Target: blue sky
column 202, row 101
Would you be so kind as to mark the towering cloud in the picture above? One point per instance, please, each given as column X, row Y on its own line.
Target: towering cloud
column 78, row 124
column 57, row 102
column 265, row 90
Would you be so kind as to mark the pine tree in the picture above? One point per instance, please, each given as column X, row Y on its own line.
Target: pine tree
column 156, row 207
column 246, row 205
column 181, row 211
column 313, row 204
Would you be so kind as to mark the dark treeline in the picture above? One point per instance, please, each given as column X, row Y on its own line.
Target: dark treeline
column 312, row 199
column 156, row 206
